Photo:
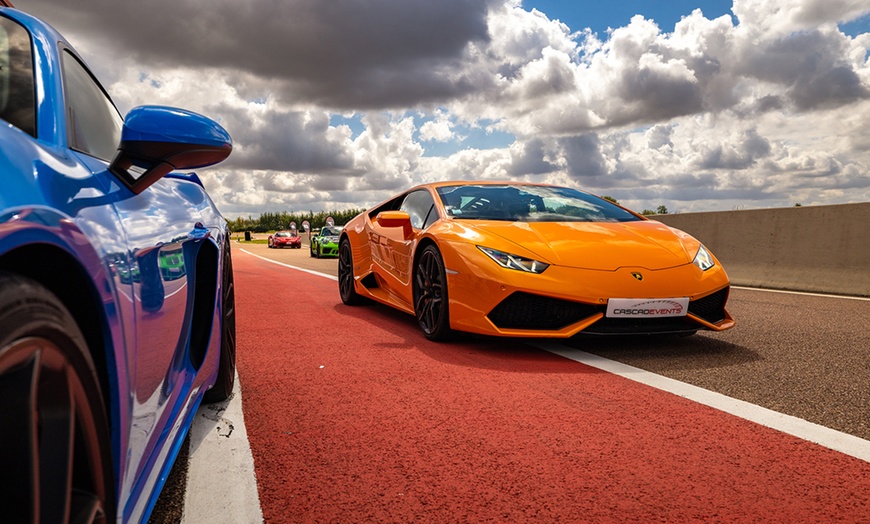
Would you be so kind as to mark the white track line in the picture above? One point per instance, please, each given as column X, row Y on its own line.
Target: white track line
column 221, row 483
column 805, row 293
column 291, row 267
column 827, row 437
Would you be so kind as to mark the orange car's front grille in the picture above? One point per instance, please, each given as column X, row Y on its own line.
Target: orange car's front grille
column 526, row 311
column 535, row 312
column 712, row 307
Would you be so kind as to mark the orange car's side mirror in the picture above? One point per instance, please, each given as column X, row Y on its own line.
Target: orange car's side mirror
column 396, row 219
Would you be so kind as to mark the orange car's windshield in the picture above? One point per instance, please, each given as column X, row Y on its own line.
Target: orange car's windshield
column 519, row 203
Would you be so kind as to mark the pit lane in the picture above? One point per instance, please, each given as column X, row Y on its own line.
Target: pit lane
column 804, row 355
column 796, row 354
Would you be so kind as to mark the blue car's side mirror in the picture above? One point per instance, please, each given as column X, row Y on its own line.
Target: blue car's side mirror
column 156, row 140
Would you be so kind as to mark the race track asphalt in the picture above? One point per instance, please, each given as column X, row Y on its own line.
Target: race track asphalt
column 354, row 417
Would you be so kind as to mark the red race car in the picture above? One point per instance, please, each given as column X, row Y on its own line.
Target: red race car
column 285, row 239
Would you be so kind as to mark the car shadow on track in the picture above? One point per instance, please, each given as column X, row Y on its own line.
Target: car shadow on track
column 518, row 354
column 700, row 351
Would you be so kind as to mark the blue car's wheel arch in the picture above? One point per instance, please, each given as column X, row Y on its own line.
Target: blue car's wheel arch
column 51, row 263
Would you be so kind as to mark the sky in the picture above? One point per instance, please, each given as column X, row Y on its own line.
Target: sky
column 700, row 105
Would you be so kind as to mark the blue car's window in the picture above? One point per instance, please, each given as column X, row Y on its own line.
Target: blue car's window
column 17, row 95
column 93, row 122
column 529, row 204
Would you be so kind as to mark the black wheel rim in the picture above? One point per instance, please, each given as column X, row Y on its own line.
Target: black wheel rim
column 55, row 435
column 429, row 286
column 229, row 307
column 345, row 271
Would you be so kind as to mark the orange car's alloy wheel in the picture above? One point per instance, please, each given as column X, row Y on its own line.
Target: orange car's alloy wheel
column 430, row 295
column 345, row 274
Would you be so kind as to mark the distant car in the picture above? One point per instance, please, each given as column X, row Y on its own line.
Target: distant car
column 527, row 260
column 117, row 314
column 325, row 242
column 172, row 263
column 285, row 239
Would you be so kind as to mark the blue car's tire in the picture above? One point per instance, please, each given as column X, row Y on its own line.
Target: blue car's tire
column 226, row 379
column 56, row 444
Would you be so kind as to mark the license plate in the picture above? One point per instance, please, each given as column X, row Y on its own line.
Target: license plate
column 647, row 307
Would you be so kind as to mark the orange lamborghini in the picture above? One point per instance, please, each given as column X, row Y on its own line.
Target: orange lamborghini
column 529, row 260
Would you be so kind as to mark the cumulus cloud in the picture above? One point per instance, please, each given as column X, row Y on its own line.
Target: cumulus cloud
column 438, row 130
column 531, row 158
column 354, row 54
column 763, row 107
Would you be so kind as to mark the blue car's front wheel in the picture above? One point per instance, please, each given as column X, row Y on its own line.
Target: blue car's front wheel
column 55, row 440
column 226, row 378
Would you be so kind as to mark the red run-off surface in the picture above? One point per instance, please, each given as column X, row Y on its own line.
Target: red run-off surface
column 353, row 416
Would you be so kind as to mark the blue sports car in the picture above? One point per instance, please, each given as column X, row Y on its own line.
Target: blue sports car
column 107, row 347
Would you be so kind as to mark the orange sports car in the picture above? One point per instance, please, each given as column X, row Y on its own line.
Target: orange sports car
column 529, row 260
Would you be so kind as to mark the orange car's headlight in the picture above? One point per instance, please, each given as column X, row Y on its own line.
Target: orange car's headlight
column 703, row 259
column 509, row 261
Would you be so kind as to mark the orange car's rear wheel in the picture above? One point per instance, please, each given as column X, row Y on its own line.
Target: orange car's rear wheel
column 345, row 274
column 430, row 295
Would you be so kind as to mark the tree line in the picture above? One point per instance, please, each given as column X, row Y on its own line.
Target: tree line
column 661, row 210
column 278, row 221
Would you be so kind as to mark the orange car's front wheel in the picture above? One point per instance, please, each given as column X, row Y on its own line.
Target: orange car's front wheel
column 430, row 295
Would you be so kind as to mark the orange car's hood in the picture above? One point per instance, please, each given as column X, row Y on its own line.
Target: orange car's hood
column 597, row 245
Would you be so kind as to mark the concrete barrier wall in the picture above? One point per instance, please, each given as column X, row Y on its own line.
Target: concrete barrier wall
column 823, row 249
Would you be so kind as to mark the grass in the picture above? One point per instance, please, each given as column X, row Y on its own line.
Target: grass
column 241, row 240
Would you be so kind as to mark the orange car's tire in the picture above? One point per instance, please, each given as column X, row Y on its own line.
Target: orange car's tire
column 430, row 295
column 226, row 379
column 345, row 274
column 56, row 440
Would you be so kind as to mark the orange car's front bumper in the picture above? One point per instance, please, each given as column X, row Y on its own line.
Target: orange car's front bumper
column 563, row 301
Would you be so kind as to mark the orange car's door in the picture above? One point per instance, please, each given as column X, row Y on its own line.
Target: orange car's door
column 393, row 247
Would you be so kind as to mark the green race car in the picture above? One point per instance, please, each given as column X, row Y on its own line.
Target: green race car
column 171, row 262
column 325, row 242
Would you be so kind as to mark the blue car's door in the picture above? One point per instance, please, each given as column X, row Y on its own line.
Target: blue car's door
column 149, row 241
column 163, row 231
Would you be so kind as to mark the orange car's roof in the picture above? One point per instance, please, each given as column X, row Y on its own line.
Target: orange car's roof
column 484, row 183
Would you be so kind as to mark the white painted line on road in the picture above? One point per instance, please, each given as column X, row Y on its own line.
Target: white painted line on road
column 827, row 437
column 291, row 267
column 805, row 293
column 177, row 290
column 221, row 483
